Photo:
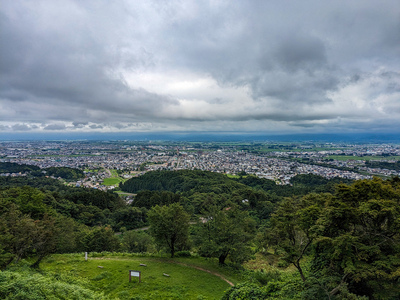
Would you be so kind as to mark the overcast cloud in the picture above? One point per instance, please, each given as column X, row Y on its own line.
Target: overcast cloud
column 271, row 66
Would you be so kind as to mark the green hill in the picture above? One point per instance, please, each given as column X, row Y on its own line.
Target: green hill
column 189, row 278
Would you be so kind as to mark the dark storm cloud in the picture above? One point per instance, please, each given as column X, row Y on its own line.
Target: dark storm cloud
column 4, row 128
column 79, row 124
column 54, row 127
column 21, row 127
column 66, row 64
column 91, row 65
column 96, row 126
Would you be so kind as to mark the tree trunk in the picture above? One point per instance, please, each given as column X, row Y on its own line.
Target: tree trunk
column 337, row 289
column 300, row 271
column 172, row 249
column 222, row 258
column 37, row 262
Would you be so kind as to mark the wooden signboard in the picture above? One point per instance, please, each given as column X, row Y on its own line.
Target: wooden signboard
column 133, row 273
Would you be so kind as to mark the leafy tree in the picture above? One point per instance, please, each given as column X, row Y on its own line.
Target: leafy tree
column 44, row 239
column 224, row 232
column 359, row 242
column 17, row 232
column 169, row 225
column 293, row 227
column 148, row 199
column 65, row 172
column 134, row 241
column 129, row 217
column 352, row 239
column 67, row 234
column 99, row 239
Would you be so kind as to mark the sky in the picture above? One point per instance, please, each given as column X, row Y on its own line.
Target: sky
column 224, row 66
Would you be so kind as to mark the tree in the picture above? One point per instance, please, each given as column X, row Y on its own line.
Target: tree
column 226, row 231
column 294, row 227
column 169, row 225
column 359, row 242
column 16, row 231
column 44, row 239
column 135, row 241
column 352, row 239
column 100, row 239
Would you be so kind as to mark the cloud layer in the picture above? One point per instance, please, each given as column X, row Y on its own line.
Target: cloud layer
column 276, row 66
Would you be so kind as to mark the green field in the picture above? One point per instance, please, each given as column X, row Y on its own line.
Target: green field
column 350, row 157
column 112, row 181
column 115, row 179
column 110, row 275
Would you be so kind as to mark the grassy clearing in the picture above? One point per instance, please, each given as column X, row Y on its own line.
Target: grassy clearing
column 232, row 176
column 112, row 181
column 124, row 194
column 185, row 282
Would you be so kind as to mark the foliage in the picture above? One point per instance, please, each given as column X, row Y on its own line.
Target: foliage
column 32, row 286
column 169, row 225
column 129, row 218
column 248, row 291
column 148, row 199
column 8, row 167
column 136, row 242
column 293, row 227
column 224, row 232
column 64, row 172
column 29, row 226
column 99, row 239
column 195, row 190
column 354, row 236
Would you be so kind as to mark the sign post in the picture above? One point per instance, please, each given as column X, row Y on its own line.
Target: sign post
column 133, row 273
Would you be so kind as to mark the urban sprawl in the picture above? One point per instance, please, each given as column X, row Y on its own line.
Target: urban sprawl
column 278, row 162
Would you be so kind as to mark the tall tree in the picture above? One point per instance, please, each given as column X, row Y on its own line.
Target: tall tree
column 169, row 225
column 294, row 227
column 44, row 239
column 354, row 236
column 224, row 232
column 359, row 241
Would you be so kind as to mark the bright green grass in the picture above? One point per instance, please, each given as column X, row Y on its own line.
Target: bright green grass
column 350, row 157
column 235, row 176
column 112, row 181
column 185, row 282
column 232, row 176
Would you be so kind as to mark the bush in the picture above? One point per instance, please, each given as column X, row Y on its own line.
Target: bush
column 185, row 253
column 32, row 286
column 248, row 291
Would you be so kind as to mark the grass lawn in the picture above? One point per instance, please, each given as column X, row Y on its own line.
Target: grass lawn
column 184, row 282
column 112, row 181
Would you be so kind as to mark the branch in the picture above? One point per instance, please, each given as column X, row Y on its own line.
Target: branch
column 336, row 289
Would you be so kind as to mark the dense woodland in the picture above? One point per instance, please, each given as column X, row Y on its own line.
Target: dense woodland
column 341, row 238
column 62, row 172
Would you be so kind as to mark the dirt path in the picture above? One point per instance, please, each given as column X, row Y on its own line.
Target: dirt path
column 205, row 270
